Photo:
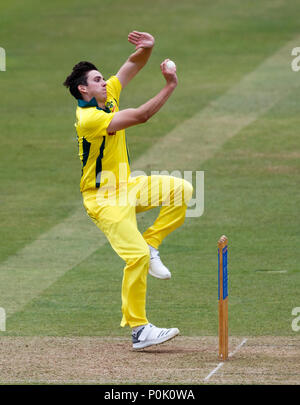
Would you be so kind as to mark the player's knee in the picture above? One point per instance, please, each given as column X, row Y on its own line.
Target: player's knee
column 142, row 256
column 146, row 254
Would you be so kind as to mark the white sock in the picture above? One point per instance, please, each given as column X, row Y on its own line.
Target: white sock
column 153, row 252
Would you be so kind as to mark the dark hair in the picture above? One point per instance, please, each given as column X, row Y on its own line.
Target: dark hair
column 78, row 76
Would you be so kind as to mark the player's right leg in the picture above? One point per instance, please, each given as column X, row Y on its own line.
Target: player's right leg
column 120, row 227
column 118, row 223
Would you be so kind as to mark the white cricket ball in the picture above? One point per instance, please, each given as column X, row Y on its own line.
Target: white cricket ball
column 170, row 64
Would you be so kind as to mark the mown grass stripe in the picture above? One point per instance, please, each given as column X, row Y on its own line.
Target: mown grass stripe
column 197, row 139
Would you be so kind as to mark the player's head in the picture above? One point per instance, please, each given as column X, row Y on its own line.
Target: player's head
column 86, row 82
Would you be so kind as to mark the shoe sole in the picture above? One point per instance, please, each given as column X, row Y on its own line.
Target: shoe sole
column 161, row 278
column 155, row 342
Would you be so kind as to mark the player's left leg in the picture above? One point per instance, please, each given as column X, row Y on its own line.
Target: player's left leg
column 172, row 194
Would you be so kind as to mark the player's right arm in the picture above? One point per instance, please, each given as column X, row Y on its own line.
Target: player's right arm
column 134, row 116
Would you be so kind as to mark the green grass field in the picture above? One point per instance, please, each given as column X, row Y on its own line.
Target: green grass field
column 251, row 179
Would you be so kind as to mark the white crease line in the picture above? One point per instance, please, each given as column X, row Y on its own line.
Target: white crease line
column 222, row 362
column 214, row 371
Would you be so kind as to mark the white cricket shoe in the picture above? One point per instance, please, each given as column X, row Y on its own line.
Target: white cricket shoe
column 149, row 335
column 157, row 268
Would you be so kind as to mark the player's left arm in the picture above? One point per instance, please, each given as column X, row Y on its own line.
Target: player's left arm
column 144, row 43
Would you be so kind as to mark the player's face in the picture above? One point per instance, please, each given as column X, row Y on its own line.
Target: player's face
column 96, row 85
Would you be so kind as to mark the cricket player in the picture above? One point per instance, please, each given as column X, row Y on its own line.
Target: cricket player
column 111, row 196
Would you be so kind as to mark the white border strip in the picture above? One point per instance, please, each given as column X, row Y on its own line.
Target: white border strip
column 222, row 362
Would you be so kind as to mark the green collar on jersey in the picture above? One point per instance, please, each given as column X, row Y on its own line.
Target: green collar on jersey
column 91, row 103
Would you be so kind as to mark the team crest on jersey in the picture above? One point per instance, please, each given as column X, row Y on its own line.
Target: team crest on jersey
column 110, row 105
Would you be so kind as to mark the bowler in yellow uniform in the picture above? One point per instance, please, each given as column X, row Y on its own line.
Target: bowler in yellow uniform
column 111, row 197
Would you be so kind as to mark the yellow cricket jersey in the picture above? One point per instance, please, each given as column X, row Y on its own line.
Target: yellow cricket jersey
column 102, row 155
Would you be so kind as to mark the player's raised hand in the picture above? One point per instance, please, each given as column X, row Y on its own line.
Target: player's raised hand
column 141, row 39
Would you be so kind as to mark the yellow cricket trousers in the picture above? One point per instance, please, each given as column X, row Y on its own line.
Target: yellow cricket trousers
column 115, row 214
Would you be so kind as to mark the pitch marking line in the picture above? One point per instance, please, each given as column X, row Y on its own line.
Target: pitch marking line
column 223, row 362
